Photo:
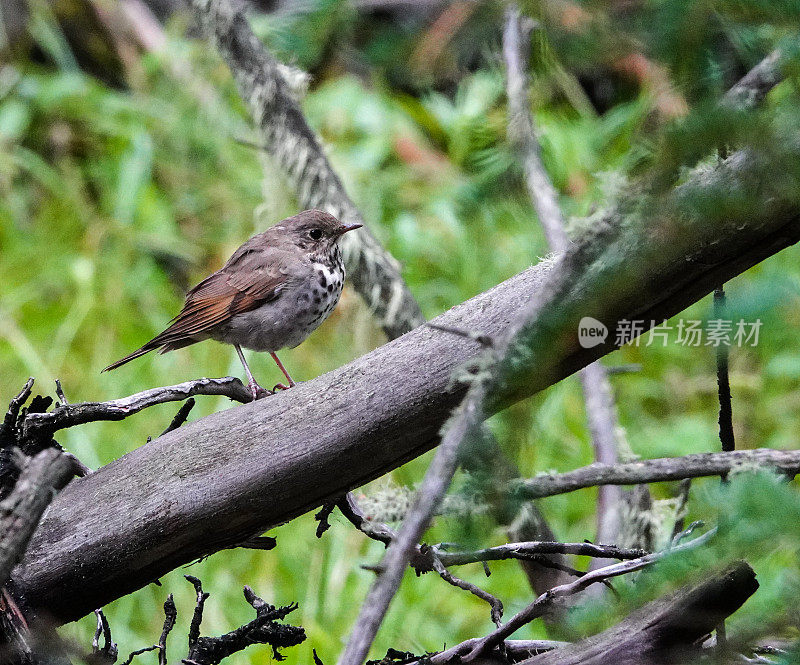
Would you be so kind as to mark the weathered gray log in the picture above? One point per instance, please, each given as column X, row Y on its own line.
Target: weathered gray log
column 664, row 631
column 221, row 479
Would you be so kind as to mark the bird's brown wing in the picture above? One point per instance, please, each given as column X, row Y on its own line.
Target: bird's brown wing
column 251, row 278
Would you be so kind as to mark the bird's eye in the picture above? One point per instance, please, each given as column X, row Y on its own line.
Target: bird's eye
column 315, row 234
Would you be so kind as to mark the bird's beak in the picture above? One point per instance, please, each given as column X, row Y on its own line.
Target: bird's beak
column 344, row 228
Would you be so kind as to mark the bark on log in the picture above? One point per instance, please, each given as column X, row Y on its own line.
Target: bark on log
column 664, row 631
column 221, row 479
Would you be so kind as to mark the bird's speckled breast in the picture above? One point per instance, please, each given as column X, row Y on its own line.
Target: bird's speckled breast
column 299, row 310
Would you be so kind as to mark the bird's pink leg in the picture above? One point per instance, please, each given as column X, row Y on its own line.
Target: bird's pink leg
column 280, row 386
column 257, row 390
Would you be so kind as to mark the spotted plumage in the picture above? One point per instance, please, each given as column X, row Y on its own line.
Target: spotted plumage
column 274, row 291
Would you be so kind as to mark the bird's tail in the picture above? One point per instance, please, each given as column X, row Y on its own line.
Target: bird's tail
column 139, row 352
column 161, row 342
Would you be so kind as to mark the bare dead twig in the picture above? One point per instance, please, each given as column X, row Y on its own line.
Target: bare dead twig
column 181, row 416
column 530, row 549
column 494, row 602
column 726, row 435
column 322, row 516
column 197, row 616
column 139, row 652
column 170, row 617
column 60, row 393
column 521, row 132
column 465, row 423
column 670, row 629
column 108, row 651
column 659, row 470
column 678, row 538
column 424, row 559
column 434, row 485
column 437, row 479
column 12, row 414
column 376, row 530
column 70, row 415
column 528, row 525
column 264, row 629
column 601, row 414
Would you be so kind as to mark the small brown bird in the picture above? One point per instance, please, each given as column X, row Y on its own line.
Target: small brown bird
column 272, row 293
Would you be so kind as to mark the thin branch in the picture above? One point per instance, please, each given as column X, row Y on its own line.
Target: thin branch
column 601, row 414
column 494, row 602
column 521, row 132
column 69, row 415
column 322, row 516
column 197, row 617
column 434, row 485
column 529, row 526
column 659, row 470
column 170, row 617
column 12, row 414
column 531, row 549
column 376, row 530
column 109, row 650
column 601, row 410
column 542, row 604
column 139, row 652
column 726, row 435
column 181, row 416
column 671, row 629
column 60, row 393
column 424, row 558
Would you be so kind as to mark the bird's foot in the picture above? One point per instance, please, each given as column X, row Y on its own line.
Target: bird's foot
column 258, row 392
column 282, row 386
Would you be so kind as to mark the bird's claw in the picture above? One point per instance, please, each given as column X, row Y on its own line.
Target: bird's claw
column 281, row 386
column 258, row 392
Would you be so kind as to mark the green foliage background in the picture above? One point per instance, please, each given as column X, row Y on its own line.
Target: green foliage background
column 113, row 200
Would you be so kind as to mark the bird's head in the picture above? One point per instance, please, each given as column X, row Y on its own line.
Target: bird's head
column 315, row 231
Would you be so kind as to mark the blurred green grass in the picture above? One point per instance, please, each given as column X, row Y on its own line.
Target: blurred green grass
column 113, row 202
